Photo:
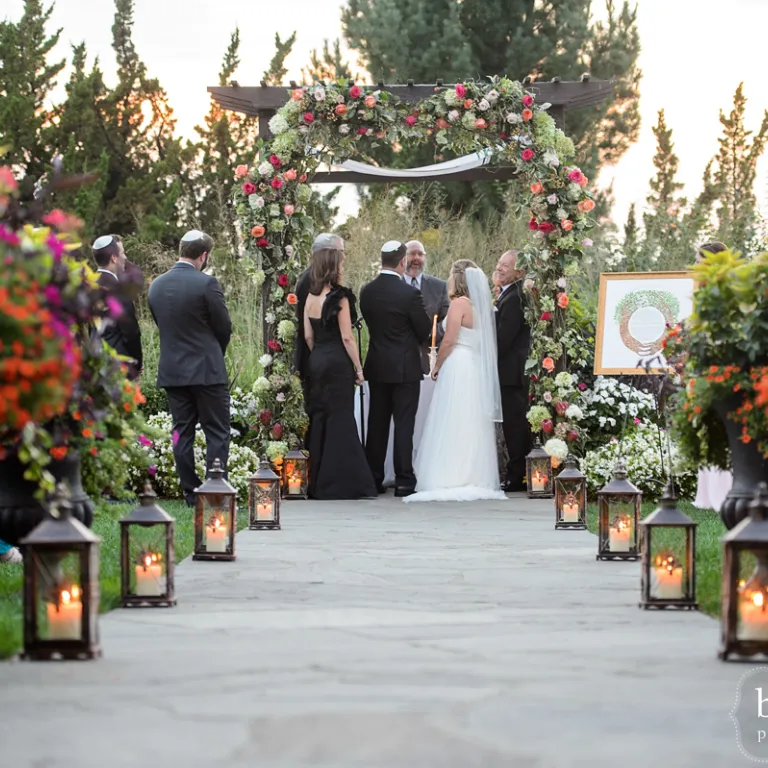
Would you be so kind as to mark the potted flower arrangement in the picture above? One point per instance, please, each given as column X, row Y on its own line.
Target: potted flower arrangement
column 62, row 390
column 721, row 355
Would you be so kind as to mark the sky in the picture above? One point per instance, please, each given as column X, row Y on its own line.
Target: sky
column 685, row 71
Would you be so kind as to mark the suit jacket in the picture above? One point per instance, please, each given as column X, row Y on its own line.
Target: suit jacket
column 123, row 333
column 301, row 351
column 398, row 325
column 436, row 302
column 513, row 336
column 189, row 310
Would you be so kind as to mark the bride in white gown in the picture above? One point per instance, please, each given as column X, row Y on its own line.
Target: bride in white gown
column 456, row 459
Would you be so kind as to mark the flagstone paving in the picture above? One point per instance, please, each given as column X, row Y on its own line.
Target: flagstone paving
column 382, row 634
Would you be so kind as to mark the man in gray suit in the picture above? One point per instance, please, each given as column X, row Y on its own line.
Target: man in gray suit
column 189, row 310
column 433, row 290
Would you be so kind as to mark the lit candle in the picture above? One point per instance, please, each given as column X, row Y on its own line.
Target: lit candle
column 294, row 485
column 618, row 536
column 570, row 509
column 216, row 536
column 434, row 330
column 149, row 577
column 65, row 616
column 265, row 511
column 754, row 617
column 539, row 481
column 668, row 578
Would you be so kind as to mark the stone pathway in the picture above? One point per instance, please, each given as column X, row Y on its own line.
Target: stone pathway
column 383, row 635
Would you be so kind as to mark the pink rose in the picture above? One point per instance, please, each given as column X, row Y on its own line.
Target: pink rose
column 461, row 91
column 354, row 92
column 411, row 120
column 276, row 183
column 527, row 100
column 308, row 118
column 275, row 160
column 480, row 124
column 546, row 317
column 262, row 242
column 547, row 427
column 289, row 209
column 240, row 171
column 282, row 280
column 573, row 436
column 528, row 155
column 561, row 407
column 290, row 175
column 249, row 188
column 265, row 417
column 545, row 227
column 575, row 176
column 533, row 225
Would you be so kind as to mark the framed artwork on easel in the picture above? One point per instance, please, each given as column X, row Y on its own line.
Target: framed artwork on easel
column 634, row 311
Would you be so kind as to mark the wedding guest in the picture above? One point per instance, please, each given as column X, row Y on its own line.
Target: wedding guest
column 122, row 333
column 496, row 284
column 398, row 326
column 513, row 337
column 714, row 247
column 192, row 318
column 338, row 468
column 322, row 244
column 9, row 555
column 433, row 289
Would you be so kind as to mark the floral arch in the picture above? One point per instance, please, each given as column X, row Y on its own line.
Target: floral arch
column 330, row 123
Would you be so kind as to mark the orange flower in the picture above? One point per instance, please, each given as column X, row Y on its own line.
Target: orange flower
column 585, row 206
column 584, row 181
column 291, row 298
column 94, row 451
column 127, row 407
column 298, row 94
column 548, row 364
column 87, row 433
column 290, row 175
column 468, row 104
column 370, row 101
column 58, row 452
column 537, row 187
column 761, row 387
column 527, row 115
column 258, row 231
column 567, row 225
column 562, row 300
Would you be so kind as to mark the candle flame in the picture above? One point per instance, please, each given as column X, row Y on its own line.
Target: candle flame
column 147, row 561
column 217, row 523
column 758, row 599
column 65, row 597
column 154, row 558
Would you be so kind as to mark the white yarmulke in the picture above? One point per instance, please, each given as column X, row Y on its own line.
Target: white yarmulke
column 102, row 242
column 193, row 234
column 391, row 245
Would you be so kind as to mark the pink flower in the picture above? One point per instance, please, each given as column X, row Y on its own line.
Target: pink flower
column 274, row 346
column 8, row 235
column 546, row 227
column 587, row 243
column 262, row 242
column 561, row 407
column 276, row 183
column 528, row 155
column 114, row 306
column 249, row 188
column 355, row 92
column 546, row 317
column 290, row 175
column 275, row 160
column 145, row 442
column 289, row 209
column 582, row 386
column 282, row 280
column 55, row 218
column 152, row 470
column 575, row 176
column 461, row 91
column 480, row 124
column 240, row 171
column 636, row 420
column 175, row 437
column 573, row 436
column 527, row 100
column 362, row 131
column 265, row 417
column 533, row 225
column 547, row 426
column 411, row 120
column 308, row 118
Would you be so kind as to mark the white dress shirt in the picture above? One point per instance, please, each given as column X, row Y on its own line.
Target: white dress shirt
column 389, row 272
column 409, row 279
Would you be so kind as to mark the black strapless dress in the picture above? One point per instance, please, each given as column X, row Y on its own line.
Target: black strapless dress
column 338, row 468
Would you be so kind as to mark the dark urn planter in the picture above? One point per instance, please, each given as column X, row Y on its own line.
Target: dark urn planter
column 21, row 512
column 749, row 467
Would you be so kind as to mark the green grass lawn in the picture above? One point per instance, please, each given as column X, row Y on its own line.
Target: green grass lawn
column 709, row 551
column 105, row 525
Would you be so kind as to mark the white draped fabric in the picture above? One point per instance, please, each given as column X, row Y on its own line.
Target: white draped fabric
column 466, row 163
column 712, row 489
column 425, row 398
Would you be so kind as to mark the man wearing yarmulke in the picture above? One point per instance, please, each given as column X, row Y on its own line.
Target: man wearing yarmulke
column 189, row 310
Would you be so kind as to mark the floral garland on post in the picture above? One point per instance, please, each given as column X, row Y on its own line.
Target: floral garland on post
column 329, row 123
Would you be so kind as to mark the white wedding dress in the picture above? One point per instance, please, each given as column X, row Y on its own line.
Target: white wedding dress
column 456, row 458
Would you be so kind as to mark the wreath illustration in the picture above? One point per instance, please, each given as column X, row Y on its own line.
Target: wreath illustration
column 663, row 301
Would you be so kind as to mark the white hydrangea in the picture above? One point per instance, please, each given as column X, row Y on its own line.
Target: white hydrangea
column 261, row 386
column 451, row 99
column 270, row 317
column 514, row 118
column 564, row 380
column 265, row 169
column 278, row 124
column 286, row 330
column 562, row 283
column 265, row 361
column 344, row 129
column 556, row 448
column 551, row 158
column 574, row 413
column 288, row 253
column 256, row 202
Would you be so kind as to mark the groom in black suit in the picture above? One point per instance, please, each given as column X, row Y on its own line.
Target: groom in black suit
column 513, row 337
column 189, row 310
column 398, row 325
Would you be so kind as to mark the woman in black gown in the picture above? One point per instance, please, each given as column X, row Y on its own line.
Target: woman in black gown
column 338, row 468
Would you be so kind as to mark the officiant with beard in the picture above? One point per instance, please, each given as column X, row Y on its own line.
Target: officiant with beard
column 433, row 290
column 398, row 326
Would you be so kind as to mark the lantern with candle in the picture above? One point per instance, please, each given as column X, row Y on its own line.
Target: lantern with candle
column 744, row 618
column 264, row 498
column 433, row 347
column 215, row 517
column 538, row 466
column 61, row 587
column 570, row 496
column 295, row 475
column 668, row 546
column 146, row 554
column 618, row 515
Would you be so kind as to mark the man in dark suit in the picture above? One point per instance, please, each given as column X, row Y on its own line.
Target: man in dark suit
column 433, row 289
column 513, row 337
column 323, row 243
column 398, row 325
column 189, row 310
column 121, row 332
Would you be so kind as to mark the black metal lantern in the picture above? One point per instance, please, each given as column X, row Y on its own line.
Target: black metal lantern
column 215, row 517
column 61, row 587
column 295, row 475
column 668, row 547
column 618, row 515
column 570, row 496
column 744, row 618
column 146, row 555
column 538, row 467
column 264, row 498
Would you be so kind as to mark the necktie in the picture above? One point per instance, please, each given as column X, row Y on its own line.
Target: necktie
column 414, row 282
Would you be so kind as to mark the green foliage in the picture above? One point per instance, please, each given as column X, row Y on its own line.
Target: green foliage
column 328, row 66
column 276, row 71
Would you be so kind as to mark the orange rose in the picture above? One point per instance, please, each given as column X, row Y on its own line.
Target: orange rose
column 584, row 181
column 585, row 206
column 341, row 110
column 290, row 175
column 562, row 300
column 537, row 187
column 548, row 364
column 567, row 225
column 468, row 104
column 527, row 115
column 291, row 298
column 258, row 231
column 370, row 101
column 297, row 95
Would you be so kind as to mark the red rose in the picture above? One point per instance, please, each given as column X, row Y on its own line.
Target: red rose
column 527, row 100
column 355, row 92
column 411, row 120
column 274, row 346
column 528, row 155
column 265, row 417
column 308, row 118
column 533, row 225
column 262, row 242
column 282, row 280
column 547, row 426
column 546, row 317
column 362, row 131
column 277, row 431
column 276, row 183
column 461, row 91
column 573, row 436
column 545, row 227
column 275, row 160
column 561, row 407
column 249, row 188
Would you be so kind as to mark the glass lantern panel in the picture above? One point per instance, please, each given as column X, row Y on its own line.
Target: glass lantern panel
column 295, row 475
column 147, row 560
column 669, row 577
column 752, row 597
column 539, row 474
column 217, row 523
column 621, row 524
column 265, row 501
column 59, row 596
column 569, row 500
